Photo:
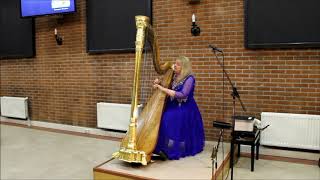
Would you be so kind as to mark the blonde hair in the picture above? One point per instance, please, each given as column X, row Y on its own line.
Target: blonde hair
column 186, row 68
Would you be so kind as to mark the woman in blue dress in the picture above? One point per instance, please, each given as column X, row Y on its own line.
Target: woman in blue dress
column 181, row 130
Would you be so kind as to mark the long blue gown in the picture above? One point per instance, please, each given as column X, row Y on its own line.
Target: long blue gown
column 181, row 130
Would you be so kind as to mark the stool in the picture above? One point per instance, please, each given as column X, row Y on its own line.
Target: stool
column 248, row 138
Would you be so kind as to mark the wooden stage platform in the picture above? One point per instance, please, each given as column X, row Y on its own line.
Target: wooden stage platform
column 195, row 167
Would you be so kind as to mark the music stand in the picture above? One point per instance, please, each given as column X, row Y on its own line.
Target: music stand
column 234, row 95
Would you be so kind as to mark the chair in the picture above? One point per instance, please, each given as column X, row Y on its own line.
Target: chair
column 248, row 138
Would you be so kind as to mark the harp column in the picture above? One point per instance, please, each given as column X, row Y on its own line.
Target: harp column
column 129, row 151
column 141, row 24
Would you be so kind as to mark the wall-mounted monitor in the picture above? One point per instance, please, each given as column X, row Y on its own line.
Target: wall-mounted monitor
column 32, row 8
column 111, row 25
column 282, row 23
column 16, row 34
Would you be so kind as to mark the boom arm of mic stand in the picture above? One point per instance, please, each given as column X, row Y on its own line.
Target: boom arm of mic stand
column 236, row 94
column 234, row 89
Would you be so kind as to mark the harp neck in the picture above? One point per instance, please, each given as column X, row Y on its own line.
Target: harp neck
column 145, row 32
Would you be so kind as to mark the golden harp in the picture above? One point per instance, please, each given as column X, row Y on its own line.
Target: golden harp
column 140, row 141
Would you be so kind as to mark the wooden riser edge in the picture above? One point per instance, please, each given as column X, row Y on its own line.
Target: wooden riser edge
column 99, row 174
column 224, row 169
column 103, row 174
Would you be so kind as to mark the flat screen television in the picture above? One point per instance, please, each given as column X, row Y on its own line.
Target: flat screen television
column 16, row 34
column 111, row 25
column 32, row 8
column 282, row 24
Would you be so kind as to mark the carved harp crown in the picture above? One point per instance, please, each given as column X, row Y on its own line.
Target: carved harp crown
column 138, row 144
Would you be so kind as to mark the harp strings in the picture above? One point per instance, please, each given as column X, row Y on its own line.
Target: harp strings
column 148, row 74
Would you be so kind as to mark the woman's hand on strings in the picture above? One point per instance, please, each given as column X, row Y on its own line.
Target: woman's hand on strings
column 157, row 85
column 156, row 81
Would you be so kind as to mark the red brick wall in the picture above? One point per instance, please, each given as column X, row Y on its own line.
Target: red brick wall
column 64, row 83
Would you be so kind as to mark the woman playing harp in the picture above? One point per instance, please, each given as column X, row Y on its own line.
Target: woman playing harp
column 140, row 141
column 181, row 131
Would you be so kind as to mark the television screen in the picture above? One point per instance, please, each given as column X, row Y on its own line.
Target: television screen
column 30, row 8
column 282, row 23
column 111, row 25
column 16, row 34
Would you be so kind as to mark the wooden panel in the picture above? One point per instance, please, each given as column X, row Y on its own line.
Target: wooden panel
column 104, row 176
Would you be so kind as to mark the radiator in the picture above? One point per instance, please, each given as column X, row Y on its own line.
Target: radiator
column 300, row 131
column 114, row 116
column 15, row 107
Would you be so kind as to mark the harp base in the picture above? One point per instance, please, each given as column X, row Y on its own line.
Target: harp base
column 132, row 156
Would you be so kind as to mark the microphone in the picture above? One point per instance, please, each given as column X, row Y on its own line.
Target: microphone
column 215, row 48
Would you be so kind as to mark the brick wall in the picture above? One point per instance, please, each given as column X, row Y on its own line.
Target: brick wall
column 64, row 83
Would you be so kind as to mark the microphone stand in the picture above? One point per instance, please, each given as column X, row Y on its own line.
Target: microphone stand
column 234, row 95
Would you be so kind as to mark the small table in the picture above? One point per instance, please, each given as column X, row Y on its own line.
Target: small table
column 248, row 138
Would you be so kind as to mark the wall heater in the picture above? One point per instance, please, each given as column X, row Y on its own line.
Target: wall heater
column 300, row 131
column 114, row 116
column 14, row 107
